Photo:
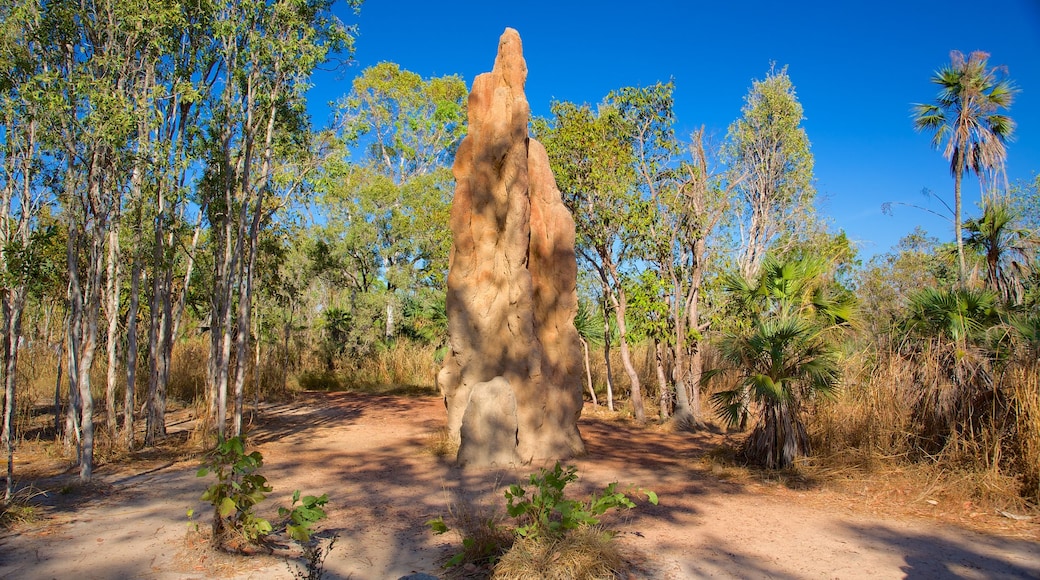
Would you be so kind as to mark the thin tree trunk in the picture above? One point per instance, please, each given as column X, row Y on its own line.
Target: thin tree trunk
column 636, row 395
column 131, row 353
column 182, row 300
column 60, row 354
column 287, row 335
column 588, row 369
column 957, row 177
column 606, row 355
column 112, row 310
column 13, row 307
column 73, row 433
column 664, row 402
column 256, row 364
column 154, row 417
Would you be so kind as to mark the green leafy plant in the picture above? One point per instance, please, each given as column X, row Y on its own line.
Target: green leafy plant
column 236, row 492
column 546, row 513
column 302, row 517
column 240, row 487
column 484, row 539
column 542, row 513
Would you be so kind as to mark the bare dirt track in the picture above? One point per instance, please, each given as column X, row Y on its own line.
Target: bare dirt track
column 371, row 453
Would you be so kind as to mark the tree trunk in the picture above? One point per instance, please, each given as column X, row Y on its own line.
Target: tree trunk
column 256, row 363
column 131, row 353
column 86, row 306
column 112, row 312
column 588, row 369
column 73, row 433
column 13, row 306
column 60, row 355
column 606, row 356
column 241, row 352
column 155, row 427
column 957, row 177
column 287, row 335
column 182, row 300
column 636, row 395
column 665, row 399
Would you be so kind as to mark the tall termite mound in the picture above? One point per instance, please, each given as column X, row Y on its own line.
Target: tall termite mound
column 512, row 381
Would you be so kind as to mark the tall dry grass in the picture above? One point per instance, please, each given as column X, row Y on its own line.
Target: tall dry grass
column 970, row 420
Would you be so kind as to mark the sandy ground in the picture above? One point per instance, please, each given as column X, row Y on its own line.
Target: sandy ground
column 372, row 455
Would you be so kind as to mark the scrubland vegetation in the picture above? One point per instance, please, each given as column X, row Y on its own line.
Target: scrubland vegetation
column 176, row 232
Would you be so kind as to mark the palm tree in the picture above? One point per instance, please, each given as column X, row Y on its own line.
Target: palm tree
column 1006, row 248
column 786, row 357
column 967, row 123
column 960, row 314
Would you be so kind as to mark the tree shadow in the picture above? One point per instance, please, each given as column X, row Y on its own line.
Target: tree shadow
column 945, row 556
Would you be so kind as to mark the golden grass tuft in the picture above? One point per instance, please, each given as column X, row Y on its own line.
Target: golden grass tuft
column 441, row 444
column 586, row 553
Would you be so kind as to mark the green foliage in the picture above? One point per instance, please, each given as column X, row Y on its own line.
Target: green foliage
column 236, row 492
column 787, row 355
column 1006, row 248
column 302, row 517
column 544, row 512
column 957, row 314
column 769, row 158
column 410, row 125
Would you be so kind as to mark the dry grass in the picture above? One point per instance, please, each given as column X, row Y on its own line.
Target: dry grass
column 587, row 553
column 483, row 534
column 970, row 428
column 441, row 444
column 20, row 509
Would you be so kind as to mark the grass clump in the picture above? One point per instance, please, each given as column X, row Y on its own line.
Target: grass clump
column 19, row 508
column 585, row 552
column 552, row 536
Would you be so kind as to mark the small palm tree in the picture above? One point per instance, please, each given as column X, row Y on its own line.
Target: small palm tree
column 967, row 122
column 787, row 356
column 1006, row 248
column 960, row 314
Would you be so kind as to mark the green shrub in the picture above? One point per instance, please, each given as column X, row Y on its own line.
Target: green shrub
column 237, row 491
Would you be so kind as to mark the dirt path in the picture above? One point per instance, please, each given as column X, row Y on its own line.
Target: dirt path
column 372, row 455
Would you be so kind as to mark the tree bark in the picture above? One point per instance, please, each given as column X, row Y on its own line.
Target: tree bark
column 664, row 402
column 112, row 312
column 958, row 175
column 13, row 306
column 636, row 394
column 606, row 354
column 588, row 370
column 131, row 353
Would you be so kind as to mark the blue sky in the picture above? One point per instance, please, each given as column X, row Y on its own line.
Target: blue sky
column 857, row 67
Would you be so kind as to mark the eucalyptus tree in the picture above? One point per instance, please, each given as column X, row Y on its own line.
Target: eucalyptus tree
column 689, row 216
column 25, row 107
column 609, row 165
column 266, row 51
column 768, row 152
column 392, row 214
column 96, row 55
column 968, row 123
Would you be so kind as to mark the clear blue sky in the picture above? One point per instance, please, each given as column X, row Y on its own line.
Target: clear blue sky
column 857, row 67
